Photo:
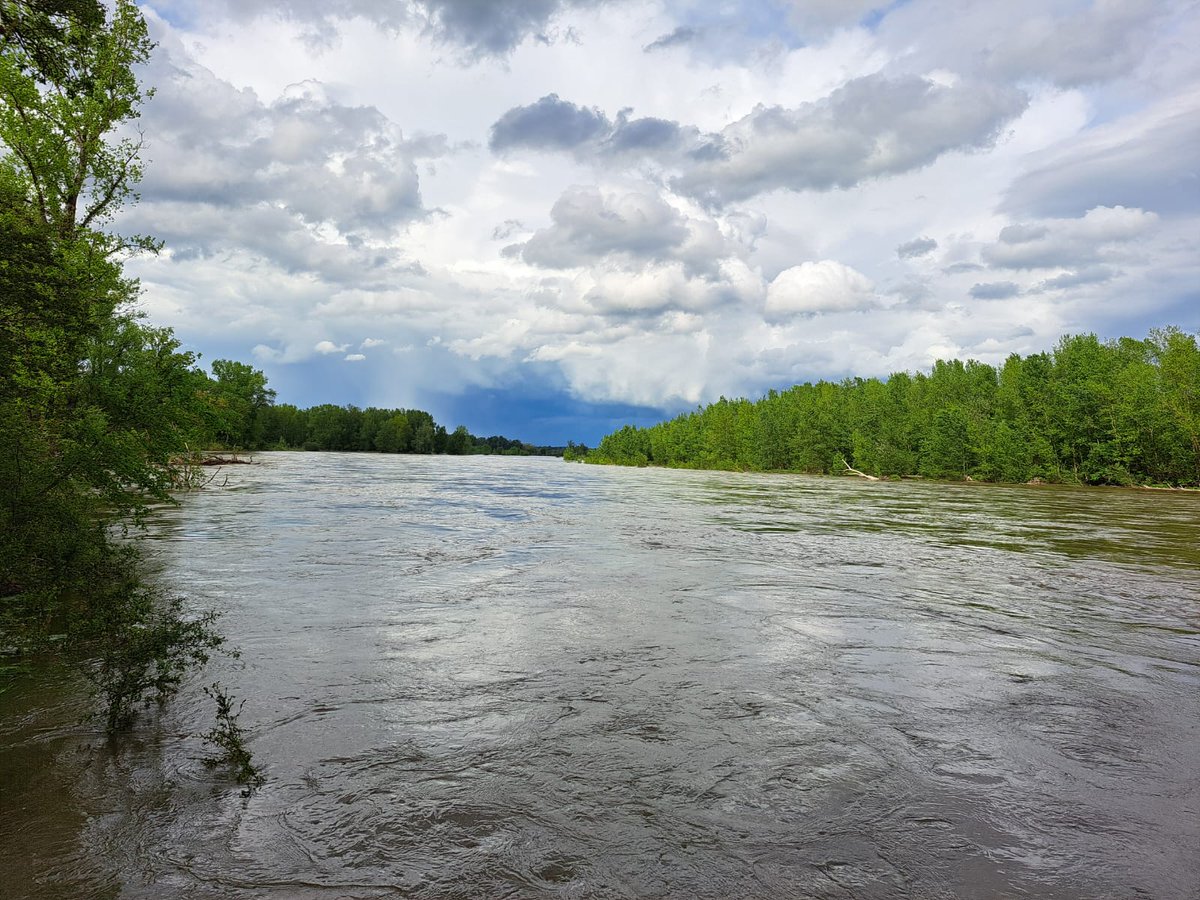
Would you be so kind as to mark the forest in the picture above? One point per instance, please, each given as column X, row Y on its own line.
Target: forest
column 1117, row 412
column 348, row 428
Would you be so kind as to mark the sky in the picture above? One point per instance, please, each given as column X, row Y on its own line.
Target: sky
column 549, row 218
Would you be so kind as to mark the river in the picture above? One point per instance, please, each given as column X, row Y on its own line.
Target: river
column 499, row 677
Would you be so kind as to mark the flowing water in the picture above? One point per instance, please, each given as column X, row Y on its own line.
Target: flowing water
column 494, row 677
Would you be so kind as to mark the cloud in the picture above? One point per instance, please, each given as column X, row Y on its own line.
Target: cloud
column 304, row 159
column 589, row 226
column 1146, row 159
column 355, row 357
column 870, row 127
column 921, row 246
column 553, row 124
column 680, row 37
column 818, row 287
column 996, row 290
column 1067, row 243
column 1067, row 43
column 1087, row 276
column 490, row 28
column 548, row 124
column 507, row 229
column 643, row 135
column 661, row 255
column 816, row 16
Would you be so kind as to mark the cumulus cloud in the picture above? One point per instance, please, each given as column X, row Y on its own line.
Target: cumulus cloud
column 921, row 246
column 320, row 160
column 629, row 227
column 818, row 287
column 870, row 127
column 589, row 226
column 305, row 181
column 302, row 185
column 554, row 124
column 355, row 357
column 327, row 347
column 658, row 288
column 548, row 124
column 645, row 135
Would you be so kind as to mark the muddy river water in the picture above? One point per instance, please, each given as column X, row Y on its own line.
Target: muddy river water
column 497, row 677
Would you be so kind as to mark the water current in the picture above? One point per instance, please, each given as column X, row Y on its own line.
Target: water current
column 496, row 677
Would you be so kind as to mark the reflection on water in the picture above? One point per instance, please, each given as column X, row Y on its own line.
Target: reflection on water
column 517, row 677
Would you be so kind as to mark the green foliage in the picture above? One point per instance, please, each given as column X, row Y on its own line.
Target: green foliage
column 96, row 408
column 348, row 428
column 64, row 91
column 230, row 741
column 145, row 649
column 239, row 397
column 1094, row 412
column 575, row 452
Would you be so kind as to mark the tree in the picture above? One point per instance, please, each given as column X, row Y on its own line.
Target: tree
column 241, row 396
column 1178, row 358
column 93, row 405
column 59, row 109
column 459, row 441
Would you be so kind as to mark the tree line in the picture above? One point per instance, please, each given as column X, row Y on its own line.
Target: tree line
column 349, row 428
column 1117, row 412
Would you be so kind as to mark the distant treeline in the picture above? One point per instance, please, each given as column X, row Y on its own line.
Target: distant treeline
column 330, row 427
column 1097, row 412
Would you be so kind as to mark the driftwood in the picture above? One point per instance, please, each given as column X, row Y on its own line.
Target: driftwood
column 852, row 471
column 223, row 461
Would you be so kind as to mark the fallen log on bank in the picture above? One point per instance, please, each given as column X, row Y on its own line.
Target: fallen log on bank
column 852, row 471
column 223, row 461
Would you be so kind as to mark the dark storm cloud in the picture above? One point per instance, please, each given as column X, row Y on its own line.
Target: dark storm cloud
column 917, row 247
column 548, row 124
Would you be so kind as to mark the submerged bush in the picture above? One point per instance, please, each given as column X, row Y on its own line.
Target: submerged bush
column 229, row 739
